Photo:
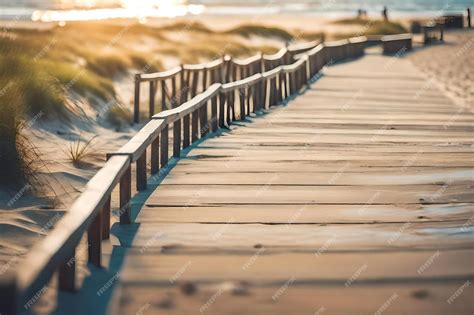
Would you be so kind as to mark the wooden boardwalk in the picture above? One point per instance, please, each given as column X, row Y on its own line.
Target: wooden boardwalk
column 356, row 198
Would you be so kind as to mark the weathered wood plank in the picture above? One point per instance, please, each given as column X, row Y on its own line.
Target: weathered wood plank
column 241, row 299
column 308, row 237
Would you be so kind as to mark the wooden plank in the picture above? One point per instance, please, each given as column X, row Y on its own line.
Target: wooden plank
column 411, row 162
column 317, row 267
column 439, row 178
column 309, row 214
column 228, row 237
column 293, row 194
column 241, row 298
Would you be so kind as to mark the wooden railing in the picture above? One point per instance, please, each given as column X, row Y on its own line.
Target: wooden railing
column 212, row 106
column 176, row 86
column 396, row 44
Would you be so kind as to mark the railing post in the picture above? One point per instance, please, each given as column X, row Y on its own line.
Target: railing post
column 242, row 99
column 136, row 101
column 155, row 157
column 125, row 196
column 94, row 240
column 152, row 99
column 186, row 131
column 174, row 102
column 141, row 172
column 230, row 104
column 194, row 83
column 203, row 120
column 177, row 138
column 228, row 69
column 264, row 93
column 204, row 79
column 164, row 146
column 8, row 294
column 163, row 95
column 106, row 219
column 182, row 86
column 67, row 273
column 222, row 101
column 256, row 91
column 307, row 71
column 194, row 125
column 271, row 92
column 214, row 122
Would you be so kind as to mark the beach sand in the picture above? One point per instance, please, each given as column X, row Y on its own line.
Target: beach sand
column 450, row 65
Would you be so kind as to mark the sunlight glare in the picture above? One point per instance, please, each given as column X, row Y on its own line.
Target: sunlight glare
column 139, row 9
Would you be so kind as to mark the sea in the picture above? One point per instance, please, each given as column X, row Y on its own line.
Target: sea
column 66, row 10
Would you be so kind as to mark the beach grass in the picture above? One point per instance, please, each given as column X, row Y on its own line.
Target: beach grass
column 79, row 149
column 248, row 30
column 372, row 26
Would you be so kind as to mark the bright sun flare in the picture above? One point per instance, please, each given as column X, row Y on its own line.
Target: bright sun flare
column 141, row 9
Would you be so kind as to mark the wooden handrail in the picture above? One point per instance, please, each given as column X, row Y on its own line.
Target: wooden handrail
column 302, row 47
column 294, row 66
column 396, row 44
column 159, row 75
column 271, row 73
column 277, row 56
column 241, row 83
column 388, row 38
column 170, row 116
column 216, row 107
column 58, row 246
column 337, row 43
column 248, row 61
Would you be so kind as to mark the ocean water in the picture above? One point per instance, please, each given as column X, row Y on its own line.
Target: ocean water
column 338, row 8
column 57, row 10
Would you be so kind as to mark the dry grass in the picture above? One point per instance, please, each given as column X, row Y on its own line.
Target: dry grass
column 248, row 30
column 80, row 149
column 373, row 27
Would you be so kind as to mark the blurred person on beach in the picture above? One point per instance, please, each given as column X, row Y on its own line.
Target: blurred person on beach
column 385, row 13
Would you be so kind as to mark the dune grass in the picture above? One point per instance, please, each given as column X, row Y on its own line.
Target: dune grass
column 373, row 26
column 79, row 149
column 248, row 30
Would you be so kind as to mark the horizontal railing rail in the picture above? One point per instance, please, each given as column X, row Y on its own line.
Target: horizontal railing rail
column 215, row 107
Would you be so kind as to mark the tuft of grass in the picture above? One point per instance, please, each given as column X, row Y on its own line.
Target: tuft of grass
column 79, row 150
column 248, row 30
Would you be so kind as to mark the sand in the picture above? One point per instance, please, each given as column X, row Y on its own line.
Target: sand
column 450, row 65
